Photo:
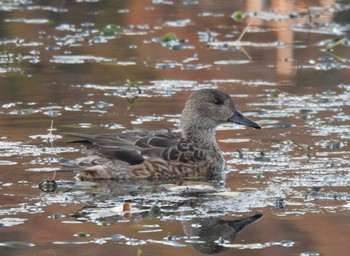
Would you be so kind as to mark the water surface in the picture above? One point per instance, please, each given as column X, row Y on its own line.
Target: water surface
column 105, row 66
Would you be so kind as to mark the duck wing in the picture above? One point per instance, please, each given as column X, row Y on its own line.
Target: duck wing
column 131, row 146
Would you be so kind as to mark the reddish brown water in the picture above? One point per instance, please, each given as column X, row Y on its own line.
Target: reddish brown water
column 69, row 62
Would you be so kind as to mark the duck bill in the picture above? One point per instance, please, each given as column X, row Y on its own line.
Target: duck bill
column 239, row 118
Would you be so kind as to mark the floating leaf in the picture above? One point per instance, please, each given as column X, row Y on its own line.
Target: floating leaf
column 104, row 223
column 169, row 37
column 155, row 210
column 81, row 234
column 238, row 16
column 110, row 30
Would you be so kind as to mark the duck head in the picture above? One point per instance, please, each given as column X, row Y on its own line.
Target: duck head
column 208, row 108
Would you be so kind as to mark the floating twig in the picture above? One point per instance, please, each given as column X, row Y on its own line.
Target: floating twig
column 243, row 32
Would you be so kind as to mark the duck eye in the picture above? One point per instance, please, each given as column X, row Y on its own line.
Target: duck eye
column 218, row 102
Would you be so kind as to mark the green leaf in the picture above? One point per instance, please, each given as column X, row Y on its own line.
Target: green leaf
column 169, row 37
column 238, row 16
column 110, row 30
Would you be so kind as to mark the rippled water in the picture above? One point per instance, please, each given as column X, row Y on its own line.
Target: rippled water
column 105, row 66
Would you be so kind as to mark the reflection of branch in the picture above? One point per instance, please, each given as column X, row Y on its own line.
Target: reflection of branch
column 305, row 149
column 335, row 56
column 49, row 185
column 308, row 10
column 245, row 53
column 310, row 19
column 236, row 43
column 131, row 100
column 240, row 38
column 50, row 140
column 331, row 47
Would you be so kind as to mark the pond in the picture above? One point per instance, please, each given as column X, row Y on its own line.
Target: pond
column 98, row 66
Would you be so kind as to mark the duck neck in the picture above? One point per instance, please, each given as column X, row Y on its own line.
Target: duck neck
column 204, row 136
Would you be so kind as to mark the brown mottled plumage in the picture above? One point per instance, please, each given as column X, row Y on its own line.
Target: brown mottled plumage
column 162, row 155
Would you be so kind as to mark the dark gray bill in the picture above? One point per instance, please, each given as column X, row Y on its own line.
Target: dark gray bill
column 239, row 118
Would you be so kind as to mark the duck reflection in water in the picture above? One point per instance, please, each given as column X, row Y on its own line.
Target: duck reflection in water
column 214, row 231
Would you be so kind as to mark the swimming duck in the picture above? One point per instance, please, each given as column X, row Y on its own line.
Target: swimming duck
column 140, row 154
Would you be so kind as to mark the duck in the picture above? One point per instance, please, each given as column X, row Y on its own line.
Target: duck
column 141, row 154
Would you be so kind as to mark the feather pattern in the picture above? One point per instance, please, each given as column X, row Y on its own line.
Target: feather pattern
column 140, row 154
